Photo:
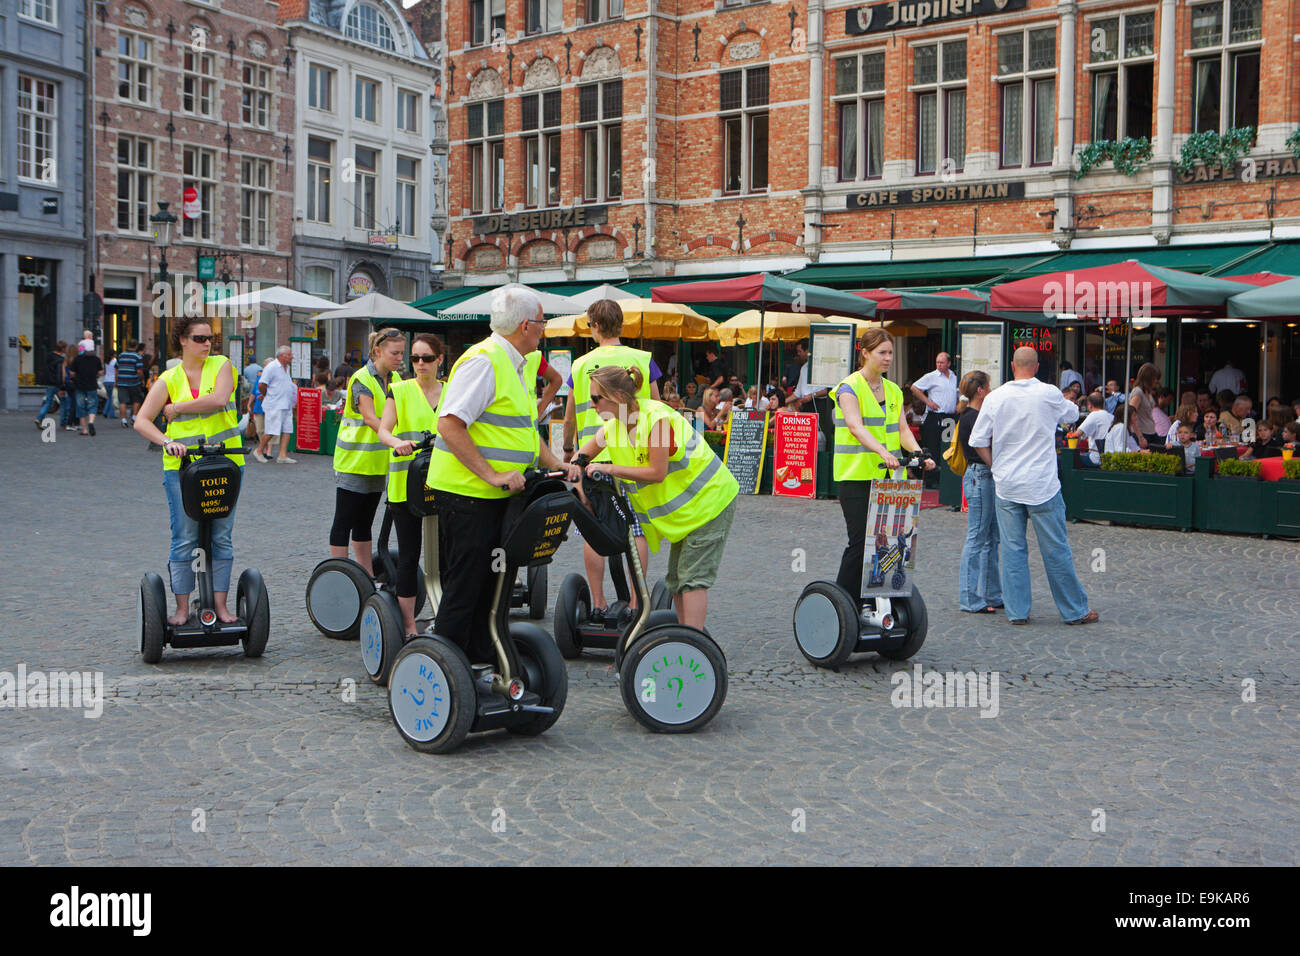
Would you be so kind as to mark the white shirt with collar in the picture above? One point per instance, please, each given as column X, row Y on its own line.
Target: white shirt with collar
column 281, row 393
column 941, row 389
column 474, row 386
column 1019, row 419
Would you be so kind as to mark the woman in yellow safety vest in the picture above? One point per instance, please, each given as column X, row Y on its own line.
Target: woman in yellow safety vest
column 413, row 411
column 196, row 398
column 869, row 432
column 360, row 458
column 679, row 488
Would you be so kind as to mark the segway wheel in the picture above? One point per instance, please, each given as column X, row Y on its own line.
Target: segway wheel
column 381, row 635
column 826, row 625
column 253, row 605
column 571, row 610
column 674, row 680
column 660, row 599
column 896, row 582
column 913, row 615
column 431, row 695
column 335, row 594
column 537, row 592
column 544, row 674
column 656, row 618
column 152, row 613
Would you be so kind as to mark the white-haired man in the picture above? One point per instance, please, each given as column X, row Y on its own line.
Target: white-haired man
column 279, row 396
column 487, row 437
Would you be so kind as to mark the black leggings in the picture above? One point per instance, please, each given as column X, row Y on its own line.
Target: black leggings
column 354, row 513
column 855, row 502
column 409, row 533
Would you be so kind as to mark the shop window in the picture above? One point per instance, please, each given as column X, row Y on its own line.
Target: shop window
column 939, row 77
column 1027, row 94
column 860, row 109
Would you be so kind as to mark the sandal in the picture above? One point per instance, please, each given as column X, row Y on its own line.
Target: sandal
column 990, row 609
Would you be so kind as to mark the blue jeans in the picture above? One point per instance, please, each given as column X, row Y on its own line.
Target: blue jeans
column 978, row 582
column 185, row 538
column 1058, row 562
column 69, row 406
column 51, row 392
column 87, row 403
column 109, row 410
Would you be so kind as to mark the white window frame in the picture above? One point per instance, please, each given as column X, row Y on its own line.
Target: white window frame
column 326, row 291
column 320, row 183
column 320, row 87
column 941, row 89
column 26, row 10
column 365, row 190
column 408, row 111
column 862, row 100
column 255, row 192
column 38, row 122
column 408, row 197
column 600, row 11
column 141, row 181
column 1120, row 65
column 1227, row 51
column 487, row 16
column 598, row 131
column 383, row 38
column 204, row 82
column 139, row 71
column 377, row 111
column 747, row 114
column 204, row 227
column 255, row 97
column 1028, row 80
column 542, row 143
column 543, row 16
column 485, row 158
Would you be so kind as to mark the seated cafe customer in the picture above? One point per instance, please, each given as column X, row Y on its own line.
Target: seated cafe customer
column 1268, row 443
column 1186, row 414
column 1094, row 428
column 1208, row 430
column 1188, row 443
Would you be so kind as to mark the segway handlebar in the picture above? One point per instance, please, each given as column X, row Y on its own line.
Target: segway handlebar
column 425, row 442
column 917, row 460
column 200, row 451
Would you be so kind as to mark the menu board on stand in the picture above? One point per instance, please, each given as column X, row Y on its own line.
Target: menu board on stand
column 794, row 440
column 746, row 445
column 307, row 430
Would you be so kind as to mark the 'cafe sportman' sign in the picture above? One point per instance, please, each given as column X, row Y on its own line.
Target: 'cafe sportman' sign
column 901, row 14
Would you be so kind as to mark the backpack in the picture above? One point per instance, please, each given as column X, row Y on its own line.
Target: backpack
column 955, row 456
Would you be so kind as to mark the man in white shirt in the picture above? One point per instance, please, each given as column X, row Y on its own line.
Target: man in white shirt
column 1069, row 375
column 1015, row 434
column 279, row 396
column 808, row 398
column 1228, row 378
column 938, row 389
column 1095, row 427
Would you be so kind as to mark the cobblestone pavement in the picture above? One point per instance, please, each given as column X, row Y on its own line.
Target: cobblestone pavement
column 1141, row 717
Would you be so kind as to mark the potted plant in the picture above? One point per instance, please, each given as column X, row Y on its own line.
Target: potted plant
column 1229, row 496
column 1130, row 487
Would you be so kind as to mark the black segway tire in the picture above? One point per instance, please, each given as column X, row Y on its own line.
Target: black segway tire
column 572, row 608
column 826, row 624
column 660, row 599
column 431, row 696
column 911, row 611
column 544, row 675
column 336, row 592
column 152, row 618
column 253, row 606
column 381, row 635
column 674, row 653
column 537, row 592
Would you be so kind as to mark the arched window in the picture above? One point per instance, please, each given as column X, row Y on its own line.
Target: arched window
column 365, row 24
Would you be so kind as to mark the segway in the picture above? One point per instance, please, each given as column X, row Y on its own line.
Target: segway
column 889, row 618
column 339, row 587
column 437, row 696
column 575, row 631
column 380, row 627
column 209, row 489
column 673, row 677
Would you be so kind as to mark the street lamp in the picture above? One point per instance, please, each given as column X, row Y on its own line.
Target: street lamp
column 162, row 222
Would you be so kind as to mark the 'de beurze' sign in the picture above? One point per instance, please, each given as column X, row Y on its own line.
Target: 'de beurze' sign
column 901, row 14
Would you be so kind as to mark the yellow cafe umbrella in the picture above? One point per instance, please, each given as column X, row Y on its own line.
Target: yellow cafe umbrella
column 644, row 319
column 742, row 328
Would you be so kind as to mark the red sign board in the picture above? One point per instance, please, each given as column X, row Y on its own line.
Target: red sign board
column 794, row 465
column 190, row 207
column 309, row 418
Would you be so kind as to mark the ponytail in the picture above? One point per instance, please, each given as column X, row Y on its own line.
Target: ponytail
column 620, row 385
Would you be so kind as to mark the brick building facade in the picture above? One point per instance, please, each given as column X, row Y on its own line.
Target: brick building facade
column 201, row 94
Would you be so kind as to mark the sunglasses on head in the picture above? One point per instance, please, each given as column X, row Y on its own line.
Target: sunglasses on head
column 201, row 339
column 424, row 358
column 387, row 334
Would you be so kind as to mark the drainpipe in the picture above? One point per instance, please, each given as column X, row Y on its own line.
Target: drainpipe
column 1162, row 168
column 1064, row 175
column 812, row 203
column 651, row 138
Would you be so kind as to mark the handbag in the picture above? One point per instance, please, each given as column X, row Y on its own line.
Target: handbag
column 955, row 456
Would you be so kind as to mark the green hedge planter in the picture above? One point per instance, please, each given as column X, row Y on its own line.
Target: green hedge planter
column 949, row 486
column 1162, row 501
column 1227, row 503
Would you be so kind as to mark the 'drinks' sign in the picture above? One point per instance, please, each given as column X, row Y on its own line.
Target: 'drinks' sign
column 900, row 14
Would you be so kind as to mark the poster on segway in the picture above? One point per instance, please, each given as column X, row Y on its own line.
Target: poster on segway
column 890, row 553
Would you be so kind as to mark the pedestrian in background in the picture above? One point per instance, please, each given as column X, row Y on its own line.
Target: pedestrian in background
column 1015, row 435
column 53, row 380
column 979, row 582
column 85, row 373
column 130, row 386
column 279, row 397
column 69, row 417
column 110, row 383
column 938, row 389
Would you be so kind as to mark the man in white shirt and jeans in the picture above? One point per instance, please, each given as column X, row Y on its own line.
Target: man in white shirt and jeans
column 279, row 396
column 1018, row 423
column 938, row 389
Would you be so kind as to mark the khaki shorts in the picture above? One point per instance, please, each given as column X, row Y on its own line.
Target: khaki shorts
column 693, row 562
column 259, row 422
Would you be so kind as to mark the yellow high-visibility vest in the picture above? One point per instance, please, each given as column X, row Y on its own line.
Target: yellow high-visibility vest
column 587, row 420
column 853, row 462
column 212, row 428
column 357, row 449
column 414, row 418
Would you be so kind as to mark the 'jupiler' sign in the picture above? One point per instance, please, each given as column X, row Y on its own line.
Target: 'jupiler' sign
column 901, row 14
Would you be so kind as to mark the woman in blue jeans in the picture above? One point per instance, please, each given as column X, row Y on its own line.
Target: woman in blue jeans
column 979, row 582
column 196, row 398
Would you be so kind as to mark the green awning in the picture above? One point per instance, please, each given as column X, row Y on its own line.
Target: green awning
column 1280, row 257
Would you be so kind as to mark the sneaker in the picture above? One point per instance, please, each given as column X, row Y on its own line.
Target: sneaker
column 260, row 457
column 125, row 423
column 596, row 618
column 91, row 426
column 38, row 423
column 70, row 428
column 286, row 461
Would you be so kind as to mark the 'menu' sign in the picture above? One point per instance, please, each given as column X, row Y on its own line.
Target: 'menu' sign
column 901, row 14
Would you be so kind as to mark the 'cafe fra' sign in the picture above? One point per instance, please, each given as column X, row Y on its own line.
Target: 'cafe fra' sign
column 901, row 14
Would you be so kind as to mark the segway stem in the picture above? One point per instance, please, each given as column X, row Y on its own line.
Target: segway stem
column 432, row 576
column 642, row 592
column 499, row 624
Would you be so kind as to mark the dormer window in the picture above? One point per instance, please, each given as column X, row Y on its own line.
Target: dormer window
column 366, row 25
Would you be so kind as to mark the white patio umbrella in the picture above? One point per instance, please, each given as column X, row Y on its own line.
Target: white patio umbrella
column 481, row 304
column 604, row 291
column 278, row 296
column 375, row 307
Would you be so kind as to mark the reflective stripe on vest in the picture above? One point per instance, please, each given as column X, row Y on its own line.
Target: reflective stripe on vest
column 192, row 429
column 505, row 433
column 853, row 461
column 696, row 489
column 357, row 449
column 414, row 418
column 586, row 418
